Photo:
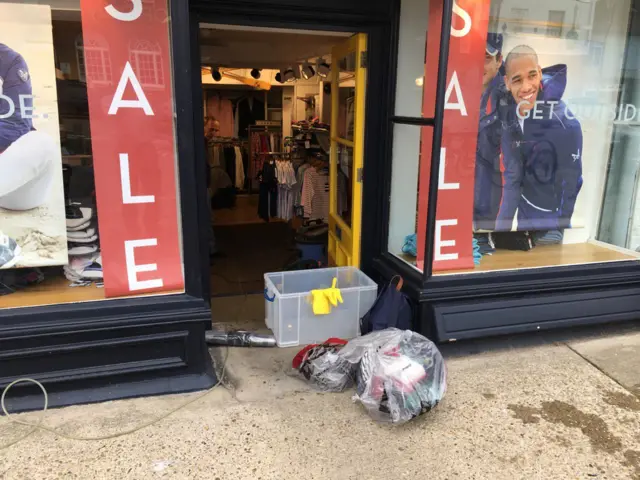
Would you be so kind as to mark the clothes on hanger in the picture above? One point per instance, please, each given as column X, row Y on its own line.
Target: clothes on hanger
column 262, row 142
column 248, row 111
column 239, row 168
column 268, row 191
column 231, row 157
column 286, row 177
column 315, row 193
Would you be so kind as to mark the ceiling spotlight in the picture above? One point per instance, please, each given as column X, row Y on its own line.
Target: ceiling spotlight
column 288, row 75
column 296, row 72
column 307, row 71
column 255, row 73
column 323, row 68
column 215, row 73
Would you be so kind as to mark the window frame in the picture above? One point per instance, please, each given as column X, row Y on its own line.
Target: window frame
column 495, row 283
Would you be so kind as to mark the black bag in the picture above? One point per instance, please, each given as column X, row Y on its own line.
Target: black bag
column 522, row 241
column 391, row 309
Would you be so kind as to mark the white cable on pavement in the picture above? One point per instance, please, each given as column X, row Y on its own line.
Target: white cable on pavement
column 39, row 424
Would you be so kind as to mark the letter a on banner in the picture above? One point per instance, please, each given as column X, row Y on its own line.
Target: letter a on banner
column 454, row 212
column 131, row 114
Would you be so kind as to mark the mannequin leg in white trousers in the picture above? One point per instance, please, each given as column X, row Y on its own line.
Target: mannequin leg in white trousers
column 27, row 171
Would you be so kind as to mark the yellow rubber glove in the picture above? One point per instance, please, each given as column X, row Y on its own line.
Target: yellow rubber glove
column 320, row 303
column 333, row 294
column 323, row 299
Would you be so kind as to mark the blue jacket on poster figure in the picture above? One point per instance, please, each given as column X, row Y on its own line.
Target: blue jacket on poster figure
column 542, row 160
column 15, row 80
column 488, row 176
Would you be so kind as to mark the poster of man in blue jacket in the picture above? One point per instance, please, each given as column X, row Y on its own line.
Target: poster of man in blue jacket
column 541, row 147
column 488, row 177
column 32, row 209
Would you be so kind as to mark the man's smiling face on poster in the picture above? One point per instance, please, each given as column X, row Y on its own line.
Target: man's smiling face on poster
column 523, row 77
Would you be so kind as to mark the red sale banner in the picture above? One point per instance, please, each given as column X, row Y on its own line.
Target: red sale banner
column 128, row 70
column 453, row 237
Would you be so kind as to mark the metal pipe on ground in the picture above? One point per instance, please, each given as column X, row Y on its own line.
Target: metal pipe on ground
column 239, row 338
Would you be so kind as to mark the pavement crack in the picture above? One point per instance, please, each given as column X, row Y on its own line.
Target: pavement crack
column 635, row 391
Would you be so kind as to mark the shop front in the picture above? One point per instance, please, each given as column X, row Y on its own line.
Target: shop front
column 497, row 175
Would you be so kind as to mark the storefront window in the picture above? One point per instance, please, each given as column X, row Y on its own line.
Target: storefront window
column 88, row 197
column 538, row 166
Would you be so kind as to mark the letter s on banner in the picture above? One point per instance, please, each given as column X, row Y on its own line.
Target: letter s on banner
column 131, row 16
column 466, row 18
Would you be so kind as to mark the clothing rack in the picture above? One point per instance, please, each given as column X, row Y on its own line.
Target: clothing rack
column 256, row 155
column 217, row 156
column 236, row 142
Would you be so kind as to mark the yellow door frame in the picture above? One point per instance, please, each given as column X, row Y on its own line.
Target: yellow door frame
column 344, row 240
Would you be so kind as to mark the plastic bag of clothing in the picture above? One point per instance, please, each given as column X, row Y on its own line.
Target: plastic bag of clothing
column 400, row 374
column 324, row 368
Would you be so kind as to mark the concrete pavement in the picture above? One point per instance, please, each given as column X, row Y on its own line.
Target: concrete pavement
column 556, row 406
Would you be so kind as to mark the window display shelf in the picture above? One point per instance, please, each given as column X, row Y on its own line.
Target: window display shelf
column 544, row 256
column 55, row 291
column 51, row 292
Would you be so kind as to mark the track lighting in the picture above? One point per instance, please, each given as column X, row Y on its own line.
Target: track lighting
column 289, row 75
column 323, row 68
column 215, row 73
column 255, row 73
column 307, row 71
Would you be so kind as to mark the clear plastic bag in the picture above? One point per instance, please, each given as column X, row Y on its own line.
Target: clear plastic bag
column 324, row 368
column 400, row 374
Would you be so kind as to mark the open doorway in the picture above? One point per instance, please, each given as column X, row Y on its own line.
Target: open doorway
column 284, row 129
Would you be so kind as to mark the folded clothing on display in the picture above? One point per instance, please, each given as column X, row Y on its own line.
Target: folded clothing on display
column 486, row 245
column 549, row 237
column 85, row 261
column 77, row 249
column 84, row 269
column 78, row 216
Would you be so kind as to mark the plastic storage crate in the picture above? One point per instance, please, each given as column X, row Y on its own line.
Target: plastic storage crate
column 289, row 311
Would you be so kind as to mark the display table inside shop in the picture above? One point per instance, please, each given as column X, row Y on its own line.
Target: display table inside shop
column 543, row 256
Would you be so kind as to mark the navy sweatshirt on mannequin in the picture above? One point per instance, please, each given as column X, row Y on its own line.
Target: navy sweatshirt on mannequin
column 14, row 82
column 542, row 160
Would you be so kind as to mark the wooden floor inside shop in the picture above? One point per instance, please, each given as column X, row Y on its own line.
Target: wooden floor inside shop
column 51, row 291
column 547, row 256
column 245, row 212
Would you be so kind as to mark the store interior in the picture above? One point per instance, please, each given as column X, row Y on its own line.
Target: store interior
column 267, row 105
